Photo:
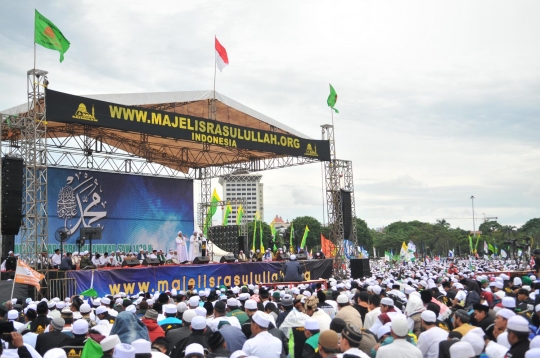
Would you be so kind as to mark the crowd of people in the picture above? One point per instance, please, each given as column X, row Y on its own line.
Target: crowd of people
column 449, row 310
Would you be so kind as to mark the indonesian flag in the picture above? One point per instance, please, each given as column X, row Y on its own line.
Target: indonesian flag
column 221, row 56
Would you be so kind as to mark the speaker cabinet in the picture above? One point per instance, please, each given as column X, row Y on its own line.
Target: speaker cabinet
column 301, row 257
column 360, row 268
column 130, row 262
column 8, row 244
column 201, row 260
column 346, row 206
column 12, row 193
column 281, row 257
column 227, row 258
column 243, row 243
column 150, row 262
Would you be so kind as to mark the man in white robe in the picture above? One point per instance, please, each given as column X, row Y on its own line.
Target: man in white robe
column 181, row 247
column 194, row 245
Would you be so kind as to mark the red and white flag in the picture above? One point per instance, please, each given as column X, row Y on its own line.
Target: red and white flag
column 221, row 56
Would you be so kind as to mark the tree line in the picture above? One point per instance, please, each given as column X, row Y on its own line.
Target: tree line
column 433, row 239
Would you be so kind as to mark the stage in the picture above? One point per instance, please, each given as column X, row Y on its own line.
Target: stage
column 183, row 277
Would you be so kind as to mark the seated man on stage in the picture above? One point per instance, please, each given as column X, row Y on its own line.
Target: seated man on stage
column 251, row 256
column 292, row 270
column 76, row 260
column 141, row 256
column 86, row 262
column 96, row 260
column 241, row 256
column 118, row 256
column 267, row 256
column 258, row 255
column 153, row 255
column 279, row 255
column 161, row 257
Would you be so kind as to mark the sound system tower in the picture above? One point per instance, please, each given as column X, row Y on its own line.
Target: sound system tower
column 301, row 257
column 346, row 207
column 227, row 258
column 12, row 195
column 225, row 237
column 130, row 262
column 243, row 243
column 150, row 262
column 360, row 268
column 201, row 260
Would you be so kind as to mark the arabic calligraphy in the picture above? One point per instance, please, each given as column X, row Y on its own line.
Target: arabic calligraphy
column 82, row 200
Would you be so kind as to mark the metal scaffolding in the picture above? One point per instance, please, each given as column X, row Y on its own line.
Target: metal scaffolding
column 334, row 171
column 26, row 137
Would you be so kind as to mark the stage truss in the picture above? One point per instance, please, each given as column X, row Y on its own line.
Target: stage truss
column 86, row 147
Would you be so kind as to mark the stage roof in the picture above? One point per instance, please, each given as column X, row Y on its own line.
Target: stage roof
column 177, row 154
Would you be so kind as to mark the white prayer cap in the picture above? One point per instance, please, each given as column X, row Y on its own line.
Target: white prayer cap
column 518, row 324
column 181, row 307
column 495, row 350
column 517, row 281
column 194, row 301
column 533, row 353
column 101, row 309
column 55, row 353
column 499, row 285
column 387, row 301
column 169, row 308
column 198, row 322
column 461, row 350
column 60, row 305
column 123, row 350
column 194, row 348
column 141, row 346
column 262, row 319
column 342, row 298
column 505, row 313
column 131, row 308
column 231, row 302
column 200, row 311
column 13, row 314
column 535, row 342
column 80, row 326
column 251, row 305
column 409, row 290
column 377, row 290
column 179, row 234
column 428, row 316
column 106, row 300
column 239, row 353
column 311, row 324
column 189, row 315
column 383, row 330
column 476, row 343
column 109, row 342
column 509, row 302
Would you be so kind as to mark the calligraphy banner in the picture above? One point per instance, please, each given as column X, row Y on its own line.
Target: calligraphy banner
column 181, row 277
column 134, row 211
column 67, row 108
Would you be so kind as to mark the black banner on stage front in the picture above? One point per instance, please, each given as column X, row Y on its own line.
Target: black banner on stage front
column 66, row 108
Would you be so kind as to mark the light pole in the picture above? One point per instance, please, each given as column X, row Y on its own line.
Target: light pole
column 473, row 223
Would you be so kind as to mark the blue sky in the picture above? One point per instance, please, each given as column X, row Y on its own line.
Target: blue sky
column 438, row 100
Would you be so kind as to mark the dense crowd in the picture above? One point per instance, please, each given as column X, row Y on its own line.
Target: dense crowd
column 442, row 309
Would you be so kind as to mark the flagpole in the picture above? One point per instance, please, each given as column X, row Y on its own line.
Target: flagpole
column 333, row 132
column 215, row 66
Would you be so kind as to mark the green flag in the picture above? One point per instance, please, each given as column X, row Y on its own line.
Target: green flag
column 304, row 238
column 491, row 248
column 470, row 244
column 49, row 36
column 91, row 349
column 228, row 211
column 291, row 236
column 90, row 293
column 261, row 235
column 332, row 99
column 239, row 214
column 211, row 211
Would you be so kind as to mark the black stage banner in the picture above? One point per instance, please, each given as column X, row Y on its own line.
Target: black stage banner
column 66, row 108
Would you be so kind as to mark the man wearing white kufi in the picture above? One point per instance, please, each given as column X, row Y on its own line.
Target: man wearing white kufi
column 181, row 247
column 194, row 244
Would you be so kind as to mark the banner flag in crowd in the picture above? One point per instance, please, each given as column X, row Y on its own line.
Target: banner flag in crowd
column 49, row 36
column 387, row 256
column 228, row 211
column 327, row 247
column 239, row 214
column 291, row 233
column 491, row 248
column 211, row 211
column 404, row 252
column 450, row 254
column 27, row 276
column 304, row 238
column 254, row 232
column 503, row 254
column 222, row 60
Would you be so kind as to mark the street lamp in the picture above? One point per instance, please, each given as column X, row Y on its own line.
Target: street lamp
column 473, row 221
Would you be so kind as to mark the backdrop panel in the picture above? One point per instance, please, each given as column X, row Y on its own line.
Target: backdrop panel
column 134, row 211
column 162, row 278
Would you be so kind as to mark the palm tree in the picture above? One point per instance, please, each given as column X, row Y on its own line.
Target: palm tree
column 508, row 230
column 445, row 224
